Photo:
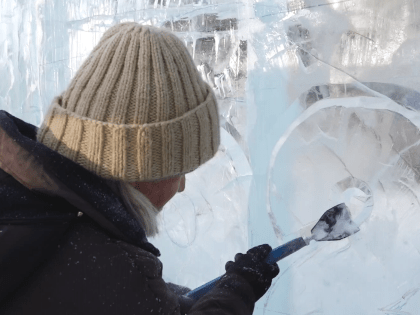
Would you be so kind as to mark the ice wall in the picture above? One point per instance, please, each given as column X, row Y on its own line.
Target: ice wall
column 334, row 85
column 319, row 105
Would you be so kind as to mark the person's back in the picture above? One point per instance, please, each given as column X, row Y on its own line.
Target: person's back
column 137, row 111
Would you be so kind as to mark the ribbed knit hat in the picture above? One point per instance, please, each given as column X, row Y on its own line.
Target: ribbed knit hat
column 136, row 110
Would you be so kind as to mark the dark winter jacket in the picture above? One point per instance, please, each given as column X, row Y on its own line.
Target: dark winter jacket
column 69, row 246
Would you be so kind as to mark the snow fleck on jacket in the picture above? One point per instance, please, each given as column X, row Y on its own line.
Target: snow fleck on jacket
column 53, row 261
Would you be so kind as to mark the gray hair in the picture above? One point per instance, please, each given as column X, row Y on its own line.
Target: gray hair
column 137, row 204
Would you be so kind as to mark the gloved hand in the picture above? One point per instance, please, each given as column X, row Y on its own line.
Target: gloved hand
column 253, row 268
column 185, row 303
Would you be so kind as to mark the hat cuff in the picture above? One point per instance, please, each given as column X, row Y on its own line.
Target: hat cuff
column 134, row 152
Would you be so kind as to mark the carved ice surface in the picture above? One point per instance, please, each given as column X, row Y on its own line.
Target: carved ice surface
column 318, row 104
column 347, row 149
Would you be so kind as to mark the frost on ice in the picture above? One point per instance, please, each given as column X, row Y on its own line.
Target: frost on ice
column 319, row 105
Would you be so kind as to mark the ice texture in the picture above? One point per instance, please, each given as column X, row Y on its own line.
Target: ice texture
column 318, row 101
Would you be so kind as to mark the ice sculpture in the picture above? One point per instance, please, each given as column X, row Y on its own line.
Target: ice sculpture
column 319, row 105
column 346, row 129
column 362, row 151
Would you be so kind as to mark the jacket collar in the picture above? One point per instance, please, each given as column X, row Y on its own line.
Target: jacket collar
column 44, row 170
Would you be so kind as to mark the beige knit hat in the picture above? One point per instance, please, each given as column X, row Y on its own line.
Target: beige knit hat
column 136, row 110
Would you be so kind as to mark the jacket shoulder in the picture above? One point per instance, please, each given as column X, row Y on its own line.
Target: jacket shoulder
column 92, row 273
column 17, row 201
column 30, row 229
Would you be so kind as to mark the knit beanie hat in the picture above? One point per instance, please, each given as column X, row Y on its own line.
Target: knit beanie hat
column 136, row 110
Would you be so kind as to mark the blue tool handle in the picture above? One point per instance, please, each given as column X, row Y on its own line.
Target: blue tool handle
column 285, row 250
column 276, row 254
column 200, row 291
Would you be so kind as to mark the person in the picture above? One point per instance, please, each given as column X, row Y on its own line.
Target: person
column 80, row 194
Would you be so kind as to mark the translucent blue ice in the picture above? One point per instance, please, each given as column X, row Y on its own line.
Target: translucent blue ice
column 319, row 105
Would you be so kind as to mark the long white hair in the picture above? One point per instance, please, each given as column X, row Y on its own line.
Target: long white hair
column 138, row 204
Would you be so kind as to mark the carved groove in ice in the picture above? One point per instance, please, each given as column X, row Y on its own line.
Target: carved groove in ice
column 364, row 151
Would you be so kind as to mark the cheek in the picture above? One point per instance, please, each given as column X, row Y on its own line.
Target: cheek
column 158, row 193
column 168, row 191
column 172, row 190
column 182, row 184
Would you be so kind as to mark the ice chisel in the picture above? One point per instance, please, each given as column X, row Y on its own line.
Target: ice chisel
column 335, row 224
